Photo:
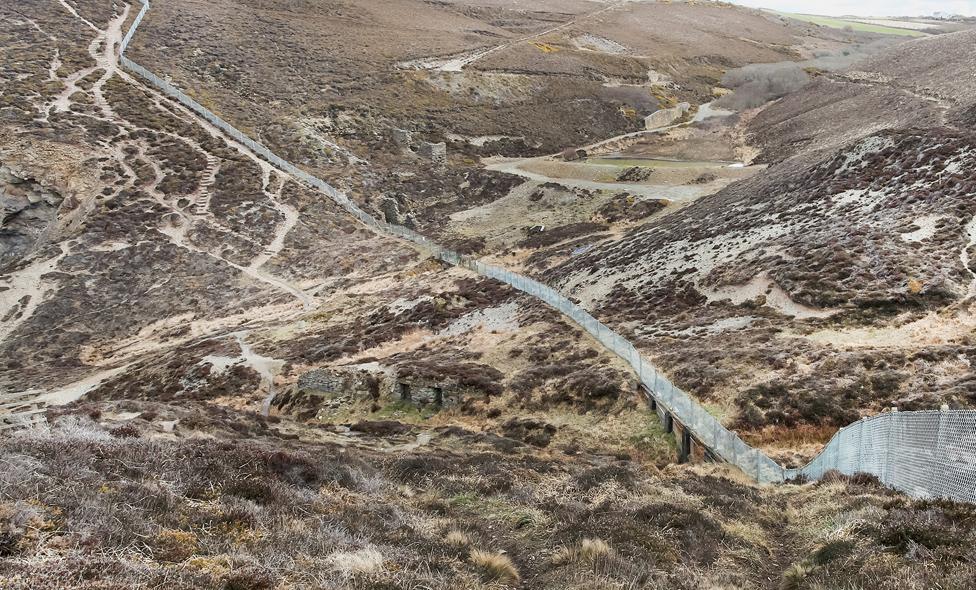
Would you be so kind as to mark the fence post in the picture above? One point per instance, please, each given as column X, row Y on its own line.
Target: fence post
column 684, row 444
column 860, row 445
column 940, row 463
column 891, row 430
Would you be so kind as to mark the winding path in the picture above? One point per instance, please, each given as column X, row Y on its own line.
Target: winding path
column 460, row 62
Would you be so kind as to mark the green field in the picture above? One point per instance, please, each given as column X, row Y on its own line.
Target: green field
column 839, row 23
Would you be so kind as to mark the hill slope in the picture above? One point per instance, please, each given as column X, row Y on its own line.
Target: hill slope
column 836, row 282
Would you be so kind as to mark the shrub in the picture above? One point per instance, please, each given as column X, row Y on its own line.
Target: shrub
column 624, row 207
column 495, row 566
column 597, row 476
column 561, row 233
column 175, row 546
column 249, row 578
column 127, row 430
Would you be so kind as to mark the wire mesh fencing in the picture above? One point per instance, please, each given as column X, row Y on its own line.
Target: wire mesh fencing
column 135, row 25
column 925, row 454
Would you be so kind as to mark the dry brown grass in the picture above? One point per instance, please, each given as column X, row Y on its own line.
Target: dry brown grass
column 261, row 512
column 457, row 539
column 364, row 561
column 789, row 436
column 587, row 551
column 495, row 566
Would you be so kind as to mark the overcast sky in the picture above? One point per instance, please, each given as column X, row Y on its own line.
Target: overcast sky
column 868, row 7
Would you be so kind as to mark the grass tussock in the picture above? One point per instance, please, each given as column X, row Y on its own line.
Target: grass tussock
column 586, row 551
column 495, row 566
column 457, row 539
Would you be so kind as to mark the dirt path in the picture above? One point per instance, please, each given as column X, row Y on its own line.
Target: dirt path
column 528, row 167
column 873, row 79
column 24, row 291
column 290, row 220
column 782, row 545
column 268, row 368
column 459, row 63
column 75, row 14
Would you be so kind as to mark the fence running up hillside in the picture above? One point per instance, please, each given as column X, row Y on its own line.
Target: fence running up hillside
column 926, row 454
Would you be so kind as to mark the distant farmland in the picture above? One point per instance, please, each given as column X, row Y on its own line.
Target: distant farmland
column 840, row 23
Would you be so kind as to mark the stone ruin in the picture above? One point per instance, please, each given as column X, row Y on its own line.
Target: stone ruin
column 330, row 389
column 435, row 152
column 427, row 392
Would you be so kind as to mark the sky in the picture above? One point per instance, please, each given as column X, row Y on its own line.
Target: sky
column 868, row 7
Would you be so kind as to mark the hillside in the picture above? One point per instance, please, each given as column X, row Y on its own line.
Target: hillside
column 922, row 83
column 228, row 501
column 212, row 375
column 835, row 283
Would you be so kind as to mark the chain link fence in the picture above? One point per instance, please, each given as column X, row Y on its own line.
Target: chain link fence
column 925, row 454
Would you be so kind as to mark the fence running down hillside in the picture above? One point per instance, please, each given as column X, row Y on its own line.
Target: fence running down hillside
column 926, row 454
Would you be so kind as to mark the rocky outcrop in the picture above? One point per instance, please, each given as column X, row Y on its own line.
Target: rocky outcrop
column 27, row 210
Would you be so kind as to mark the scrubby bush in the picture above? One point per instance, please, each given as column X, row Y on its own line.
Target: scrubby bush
column 174, row 545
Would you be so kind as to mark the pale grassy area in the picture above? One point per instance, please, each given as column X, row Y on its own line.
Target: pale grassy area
column 840, row 23
column 654, row 163
column 899, row 24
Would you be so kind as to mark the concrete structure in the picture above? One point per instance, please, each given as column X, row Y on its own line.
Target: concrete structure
column 665, row 117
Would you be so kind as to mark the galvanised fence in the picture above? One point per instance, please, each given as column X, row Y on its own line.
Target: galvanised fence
column 926, row 454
